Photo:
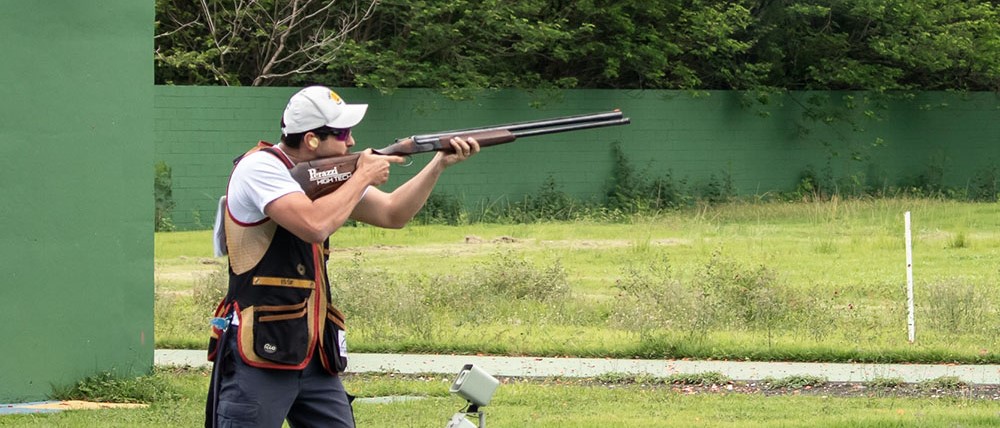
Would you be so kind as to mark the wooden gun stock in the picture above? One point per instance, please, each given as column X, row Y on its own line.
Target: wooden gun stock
column 319, row 177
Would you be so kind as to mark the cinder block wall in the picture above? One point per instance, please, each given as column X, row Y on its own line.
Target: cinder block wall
column 697, row 138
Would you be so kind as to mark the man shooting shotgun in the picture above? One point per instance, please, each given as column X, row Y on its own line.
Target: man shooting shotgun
column 322, row 176
column 278, row 341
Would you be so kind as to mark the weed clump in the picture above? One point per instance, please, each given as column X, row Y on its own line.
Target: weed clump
column 793, row 382
column 885, row 382
column 699, row 379
column 942, row 383
column 110, row 388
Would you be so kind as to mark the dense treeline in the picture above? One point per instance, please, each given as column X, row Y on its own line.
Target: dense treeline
column 450, row 45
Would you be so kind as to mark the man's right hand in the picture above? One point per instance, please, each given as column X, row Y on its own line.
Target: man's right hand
column 374, row 168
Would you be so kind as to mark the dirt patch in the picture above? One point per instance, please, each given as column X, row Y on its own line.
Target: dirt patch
column 177, row 277
column 842, row 389
column 83, row 405
column 833, row 389
column 612, row 243
column 829, row 389
column 473, row 243
column 473, row 239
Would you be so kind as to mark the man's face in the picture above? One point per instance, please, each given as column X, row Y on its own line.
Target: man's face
column 336, row 144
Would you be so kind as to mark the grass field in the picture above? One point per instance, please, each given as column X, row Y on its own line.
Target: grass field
column 819, row 281
column 566, row 403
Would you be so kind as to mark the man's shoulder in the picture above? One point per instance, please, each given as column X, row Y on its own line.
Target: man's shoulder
column 261, row 159
column 258, row 178
column 269, row 153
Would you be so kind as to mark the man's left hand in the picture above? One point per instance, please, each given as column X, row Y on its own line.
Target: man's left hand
column 463, row 148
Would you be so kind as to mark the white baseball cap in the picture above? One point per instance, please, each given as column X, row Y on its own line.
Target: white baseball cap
column 318, row 106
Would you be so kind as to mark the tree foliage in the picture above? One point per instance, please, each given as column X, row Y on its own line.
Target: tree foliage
column 250, row 42
column 881, row 44
column 552, row 44
column 456, row 45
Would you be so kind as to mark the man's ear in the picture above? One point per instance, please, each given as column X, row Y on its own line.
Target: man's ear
column 312, row 140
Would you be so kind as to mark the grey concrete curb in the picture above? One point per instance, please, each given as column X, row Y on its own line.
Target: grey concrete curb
column 590, row 367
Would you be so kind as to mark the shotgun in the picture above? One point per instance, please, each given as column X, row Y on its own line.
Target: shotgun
column 321, row 176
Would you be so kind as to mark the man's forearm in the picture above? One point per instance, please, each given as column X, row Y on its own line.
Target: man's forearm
column 407, row 200
column 315, row 220
column 335, row 208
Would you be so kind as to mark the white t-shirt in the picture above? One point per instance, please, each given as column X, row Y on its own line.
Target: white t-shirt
column 258, row 179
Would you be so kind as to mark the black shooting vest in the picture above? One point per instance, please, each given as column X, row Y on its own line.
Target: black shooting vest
column 279, row 295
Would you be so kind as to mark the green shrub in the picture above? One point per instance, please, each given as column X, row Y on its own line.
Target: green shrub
column 549, row 204
column 815, row 186
column 510, row 276
column 985, row 185
column 441, row 208
column 955, row 306
column 163, row 197
column 391, row 309
column 718, row 190
column 722, row 296
column 651, row 300
column 634, row 192
column 209, row 289
column 743, row 298
column 502, row 288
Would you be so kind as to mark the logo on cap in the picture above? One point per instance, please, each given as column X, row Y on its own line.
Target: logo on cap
column 335, row 97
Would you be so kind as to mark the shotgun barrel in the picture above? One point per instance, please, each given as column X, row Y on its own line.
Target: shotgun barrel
column 500, row 134
column 614, row 117
column 319, row 177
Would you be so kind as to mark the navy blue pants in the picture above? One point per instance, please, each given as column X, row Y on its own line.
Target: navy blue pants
column 254, row 397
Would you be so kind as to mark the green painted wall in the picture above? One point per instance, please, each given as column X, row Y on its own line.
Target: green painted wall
column 76, row 155
column 694, row 137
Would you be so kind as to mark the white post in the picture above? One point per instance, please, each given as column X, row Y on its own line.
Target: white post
column 909, row 278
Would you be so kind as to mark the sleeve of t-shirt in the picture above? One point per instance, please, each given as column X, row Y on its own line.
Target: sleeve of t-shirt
column 257, row 180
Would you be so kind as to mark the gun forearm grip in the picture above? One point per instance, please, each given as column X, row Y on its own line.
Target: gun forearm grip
column 440, row 142
column 484, row 138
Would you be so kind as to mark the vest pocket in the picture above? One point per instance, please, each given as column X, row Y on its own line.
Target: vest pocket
column 334, row 342
column 213, row 341
column 281, row 333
